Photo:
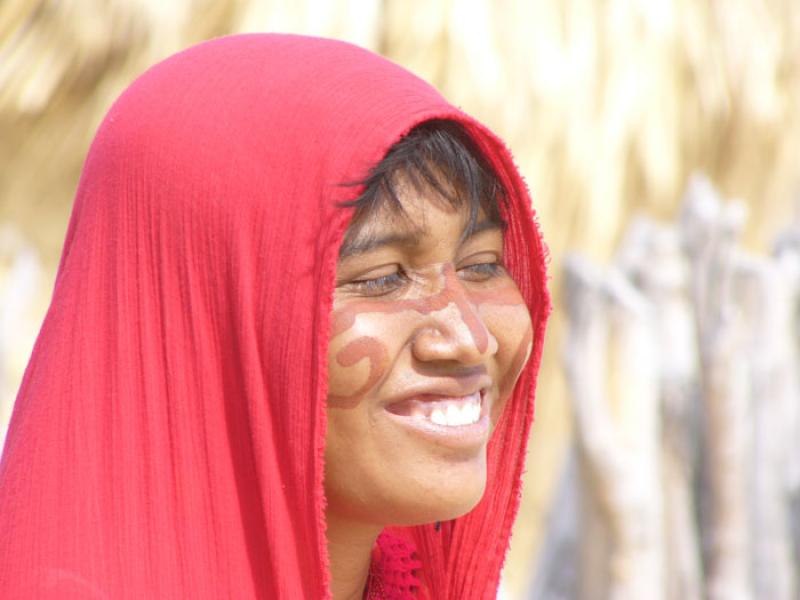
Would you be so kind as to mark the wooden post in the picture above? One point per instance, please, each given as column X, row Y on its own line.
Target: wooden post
column 617, row 441
column 651, row 256
column 710, row 235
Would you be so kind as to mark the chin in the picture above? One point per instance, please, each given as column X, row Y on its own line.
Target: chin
column 439, row 500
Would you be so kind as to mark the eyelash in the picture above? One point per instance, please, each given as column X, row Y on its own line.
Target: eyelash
column 386, row 284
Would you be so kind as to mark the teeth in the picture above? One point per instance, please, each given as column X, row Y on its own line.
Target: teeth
column 438, row 416
column 453, row 413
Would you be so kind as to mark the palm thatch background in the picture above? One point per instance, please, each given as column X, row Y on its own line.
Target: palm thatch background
column 608, row 105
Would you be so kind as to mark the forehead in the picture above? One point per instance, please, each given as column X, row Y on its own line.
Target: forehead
column 417, row 211
column 422, row 216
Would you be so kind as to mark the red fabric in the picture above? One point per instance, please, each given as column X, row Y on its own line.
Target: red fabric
column 395, row 570
column 167, row 440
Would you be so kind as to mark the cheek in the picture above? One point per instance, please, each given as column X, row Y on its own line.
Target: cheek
column 354, row 367
column 511, row 327
column 361, row 352
column 347, row 449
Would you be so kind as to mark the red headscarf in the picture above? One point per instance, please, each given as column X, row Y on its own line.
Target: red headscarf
column 168, row 438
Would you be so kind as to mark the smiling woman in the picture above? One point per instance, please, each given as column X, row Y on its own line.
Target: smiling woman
column 429, row 335
column 258, row 379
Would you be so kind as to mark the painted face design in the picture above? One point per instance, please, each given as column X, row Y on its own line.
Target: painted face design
column 473, row 308
column 422, row 317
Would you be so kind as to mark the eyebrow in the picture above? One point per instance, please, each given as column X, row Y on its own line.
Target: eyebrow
column 411, row 238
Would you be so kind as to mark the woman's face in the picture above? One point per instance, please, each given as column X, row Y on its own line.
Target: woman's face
column 429, row 335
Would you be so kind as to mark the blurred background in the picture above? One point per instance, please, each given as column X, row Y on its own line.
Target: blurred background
column 661, row 143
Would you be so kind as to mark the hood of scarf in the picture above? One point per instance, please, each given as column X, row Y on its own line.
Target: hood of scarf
column 168, row 437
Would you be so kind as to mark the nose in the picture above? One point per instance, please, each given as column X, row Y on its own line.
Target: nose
column 455, row 332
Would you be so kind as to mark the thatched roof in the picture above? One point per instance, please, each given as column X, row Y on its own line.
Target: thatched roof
column 608, row 105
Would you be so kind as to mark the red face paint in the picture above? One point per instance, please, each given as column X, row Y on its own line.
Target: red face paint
column 469, row 303
column 377, row 357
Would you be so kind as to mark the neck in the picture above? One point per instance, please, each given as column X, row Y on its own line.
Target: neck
column 350, row 550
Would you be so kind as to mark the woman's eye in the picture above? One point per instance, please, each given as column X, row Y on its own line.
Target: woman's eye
column 481, row 271
column 378, row 286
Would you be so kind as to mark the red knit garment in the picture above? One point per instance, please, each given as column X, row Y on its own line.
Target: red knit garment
column 394, row 573
column 167, row 441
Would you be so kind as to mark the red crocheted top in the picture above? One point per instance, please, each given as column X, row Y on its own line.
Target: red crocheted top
column 395, row 570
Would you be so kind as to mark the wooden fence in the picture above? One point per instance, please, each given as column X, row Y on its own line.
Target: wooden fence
column 682, row 363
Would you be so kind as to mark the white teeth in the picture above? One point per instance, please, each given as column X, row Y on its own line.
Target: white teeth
column 474, row 413
column 453, row 412
column 438, row 417
column 454, row 415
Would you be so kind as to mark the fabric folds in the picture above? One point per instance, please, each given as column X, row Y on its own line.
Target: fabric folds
column 168, row 437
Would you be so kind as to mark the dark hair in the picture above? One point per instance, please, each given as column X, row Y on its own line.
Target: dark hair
column 439, row 156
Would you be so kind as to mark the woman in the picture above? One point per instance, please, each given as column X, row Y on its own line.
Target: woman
column 297, row 295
